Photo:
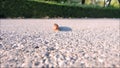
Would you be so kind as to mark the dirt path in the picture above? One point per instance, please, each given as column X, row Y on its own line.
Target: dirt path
column 80, row 43
column 47, row 24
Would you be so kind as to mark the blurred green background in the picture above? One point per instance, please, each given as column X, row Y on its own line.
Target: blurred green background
column 59, row 9
column 114, row 3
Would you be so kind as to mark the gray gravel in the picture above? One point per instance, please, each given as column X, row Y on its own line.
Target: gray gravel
column 80, row 43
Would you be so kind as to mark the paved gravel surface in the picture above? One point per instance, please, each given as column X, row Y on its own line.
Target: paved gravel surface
column 79, row 43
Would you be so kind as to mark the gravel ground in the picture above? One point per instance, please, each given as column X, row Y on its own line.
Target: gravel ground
column 80, row 43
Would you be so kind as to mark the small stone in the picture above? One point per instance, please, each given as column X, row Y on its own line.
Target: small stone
column 36, row 47
column 113, row 65
column 82, row 64
column 1, row 38
column 57, row 56
column 47, row 66
column 46, row 42
column 100, row 60
column 42, row 67
column 50, row 49
column 1, row 46
column 14, row 46
column 44, row 60
column 37, row 63
column 57, row 47
column 20, row 46
column 52, row 67
column 47, row 54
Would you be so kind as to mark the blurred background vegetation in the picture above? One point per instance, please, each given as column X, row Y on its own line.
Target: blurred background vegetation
column 101, row 3
column 59, row 8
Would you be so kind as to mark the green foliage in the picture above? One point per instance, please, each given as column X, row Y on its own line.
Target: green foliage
column 56, row 0
column 34, row 9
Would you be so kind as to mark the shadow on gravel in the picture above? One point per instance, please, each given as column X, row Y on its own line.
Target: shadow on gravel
column 64, row 28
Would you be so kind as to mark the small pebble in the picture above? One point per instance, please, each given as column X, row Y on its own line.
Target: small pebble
column 37, row 63
column 1, row 46
column 47, row 54
column 113, row 65
column 100, row 60
column 1, row 38
column 36, row 47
